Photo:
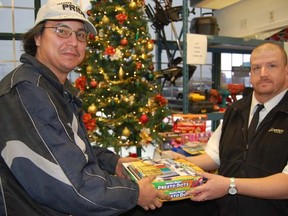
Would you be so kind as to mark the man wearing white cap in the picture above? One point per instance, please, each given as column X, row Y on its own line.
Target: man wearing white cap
column 47, row 165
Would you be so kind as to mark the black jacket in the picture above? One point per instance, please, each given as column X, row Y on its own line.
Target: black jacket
column 267, row 154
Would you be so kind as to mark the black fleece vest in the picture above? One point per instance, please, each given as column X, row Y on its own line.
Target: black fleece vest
column 267, row 154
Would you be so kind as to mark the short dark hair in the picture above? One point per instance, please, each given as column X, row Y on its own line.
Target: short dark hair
column 28, row 41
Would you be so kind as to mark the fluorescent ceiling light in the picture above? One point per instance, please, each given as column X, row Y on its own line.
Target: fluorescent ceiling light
column 212, row 4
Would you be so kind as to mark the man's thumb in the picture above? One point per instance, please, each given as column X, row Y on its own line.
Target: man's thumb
column 151, row 177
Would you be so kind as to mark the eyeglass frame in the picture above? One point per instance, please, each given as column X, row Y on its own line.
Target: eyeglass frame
column 58, row 33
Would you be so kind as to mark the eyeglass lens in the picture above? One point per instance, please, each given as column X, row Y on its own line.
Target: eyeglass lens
column 66, row 32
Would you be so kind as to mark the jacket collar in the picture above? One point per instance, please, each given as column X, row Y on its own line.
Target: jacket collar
column 67, row 90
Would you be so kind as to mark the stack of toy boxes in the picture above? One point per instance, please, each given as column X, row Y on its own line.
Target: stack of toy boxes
column 173, row 177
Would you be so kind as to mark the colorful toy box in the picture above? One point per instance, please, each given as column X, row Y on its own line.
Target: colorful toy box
column 189, row 123
column 173, row 177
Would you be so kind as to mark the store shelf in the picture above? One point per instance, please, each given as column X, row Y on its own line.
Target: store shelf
column 214, row 117
column 225, row 44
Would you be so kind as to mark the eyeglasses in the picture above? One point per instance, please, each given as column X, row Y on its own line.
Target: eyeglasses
column 66, row 32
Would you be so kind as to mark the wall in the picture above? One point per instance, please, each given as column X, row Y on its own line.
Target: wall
column 253, row 18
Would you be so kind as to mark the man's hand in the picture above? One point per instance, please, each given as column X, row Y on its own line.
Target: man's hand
column 215, row 187
column 119, row 167
column 149, row 196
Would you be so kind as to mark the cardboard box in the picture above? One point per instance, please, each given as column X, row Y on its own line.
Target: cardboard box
column 173, row 177
column 189, row 123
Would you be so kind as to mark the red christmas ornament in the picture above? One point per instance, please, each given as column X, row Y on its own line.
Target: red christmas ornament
column 161, row 100
column 151, row 67
column 121, row 17
column 89, row 12
column 89, row 122
column 144, row 119
column 93, row 83
column 91, row 36
column 110, row 50
column 80, row 83
column 138, row 65
column 124, row 42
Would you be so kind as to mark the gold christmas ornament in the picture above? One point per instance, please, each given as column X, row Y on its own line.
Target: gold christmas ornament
column 149, row 55
column 144, row 56
column 102, row 84
column 134, row 57
column 126, row 132
column 145, row 135
column 116, row 99
column 133, row 5
column 92, row 109
column 151, row 102
column 124, row 98
column 89, row 69
column 97, row 38
column 121, row 73
column 150, row 46
column 127, row 54
column 119, row 8
column 131, row 99
column 101, row 33
column 143, row 41
column 101, row 70
column 105, row 19
column 119, row 30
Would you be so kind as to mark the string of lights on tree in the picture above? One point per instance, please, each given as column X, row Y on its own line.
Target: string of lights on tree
column 118, row 86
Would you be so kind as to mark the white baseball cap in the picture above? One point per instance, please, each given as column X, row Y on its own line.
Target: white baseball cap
column 62, row 10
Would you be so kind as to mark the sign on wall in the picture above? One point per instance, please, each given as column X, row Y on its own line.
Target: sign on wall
column 196, row 49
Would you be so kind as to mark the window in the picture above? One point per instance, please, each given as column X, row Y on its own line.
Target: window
column 229, row 60
column 19, row 17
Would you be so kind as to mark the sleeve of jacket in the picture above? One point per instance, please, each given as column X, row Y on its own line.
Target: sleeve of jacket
column 106, row 158
column 53, row 163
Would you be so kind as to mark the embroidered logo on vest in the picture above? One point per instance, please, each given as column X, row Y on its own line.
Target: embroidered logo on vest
column 275, row 130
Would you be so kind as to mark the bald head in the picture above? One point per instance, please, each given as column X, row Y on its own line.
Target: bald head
column 269, row 71
column 270, row 46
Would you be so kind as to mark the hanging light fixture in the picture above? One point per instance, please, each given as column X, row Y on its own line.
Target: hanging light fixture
column 212, row 4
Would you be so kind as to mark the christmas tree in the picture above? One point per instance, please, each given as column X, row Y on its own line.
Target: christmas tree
column 118, row 86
